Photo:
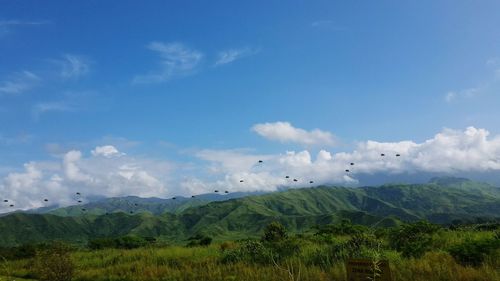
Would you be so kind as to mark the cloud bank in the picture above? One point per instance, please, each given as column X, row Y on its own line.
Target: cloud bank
column 106, row 171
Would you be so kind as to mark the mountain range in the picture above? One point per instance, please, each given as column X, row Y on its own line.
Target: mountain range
column 442, row 200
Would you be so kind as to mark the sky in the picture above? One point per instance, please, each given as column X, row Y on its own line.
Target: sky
column 164, row 98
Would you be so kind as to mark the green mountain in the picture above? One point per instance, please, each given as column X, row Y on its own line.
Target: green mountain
column 134, row 204
column 441, row 200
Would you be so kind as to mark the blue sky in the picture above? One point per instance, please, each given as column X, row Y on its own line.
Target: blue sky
column 167, row 81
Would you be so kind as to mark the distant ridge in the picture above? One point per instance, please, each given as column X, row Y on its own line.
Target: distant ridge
column 441, row 201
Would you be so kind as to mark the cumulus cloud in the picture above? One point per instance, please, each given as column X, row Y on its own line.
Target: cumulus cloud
column 452, row 152
column 108, row 172
column 106, row 151
column 100, row 173
column 285, row 132
column 18, row 83
column 228, row 56
column 177, row 60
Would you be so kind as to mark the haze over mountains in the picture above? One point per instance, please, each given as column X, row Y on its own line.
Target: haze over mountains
column 442, row 200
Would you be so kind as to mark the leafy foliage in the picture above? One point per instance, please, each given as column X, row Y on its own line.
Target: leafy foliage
column 413, row 239
column 54, row 263
column 199, row 240
column 474, row 252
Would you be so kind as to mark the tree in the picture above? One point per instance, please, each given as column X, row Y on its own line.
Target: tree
column 274, row 232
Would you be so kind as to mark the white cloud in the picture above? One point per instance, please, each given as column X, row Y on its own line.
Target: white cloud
column 177, row 60
column 463, row 94
column 450, row 96
column 73, row 66
column 285, row 132
column 57, row 106
column 451, row 152
column 18, row 83
column 106, row 151
column 93, row 175
column 228, row 56
column 6, row 26
column 20, row 22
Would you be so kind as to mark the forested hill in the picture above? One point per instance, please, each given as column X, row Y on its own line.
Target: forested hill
column 441, row 201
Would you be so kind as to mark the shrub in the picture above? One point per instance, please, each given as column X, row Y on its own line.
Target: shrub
column 124, row 242
column 199, row 240
column 284, row 248
column 227, row 245
column 54, row 263
column 414, row 239
column 274, row 232
column 20, row 252
column 250, row 252
column 474, row 252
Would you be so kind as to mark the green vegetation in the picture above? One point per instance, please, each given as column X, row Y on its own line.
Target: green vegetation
column 447, row 229
column 443, row 201
column 318, row 254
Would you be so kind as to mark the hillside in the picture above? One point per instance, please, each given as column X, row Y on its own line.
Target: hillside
column 441, row 201
column 134, row 204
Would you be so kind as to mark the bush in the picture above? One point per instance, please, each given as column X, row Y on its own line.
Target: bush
column 414, row 239
column 124, row 242
column 20, row 252
column 54, row 263
column 199, row 240
column 284, row 248
column 274, row 232
column 248, row 251
column 474, row 252
column 227, row 245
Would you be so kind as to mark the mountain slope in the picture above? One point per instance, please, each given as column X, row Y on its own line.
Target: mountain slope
column 136, row 204
column 440, row 201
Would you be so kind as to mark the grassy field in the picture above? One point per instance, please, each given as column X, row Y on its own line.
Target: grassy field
column 277, row 256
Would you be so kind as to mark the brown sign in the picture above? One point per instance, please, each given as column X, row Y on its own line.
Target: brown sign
column 368, row 270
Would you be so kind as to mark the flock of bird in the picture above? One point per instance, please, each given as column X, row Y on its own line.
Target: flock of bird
column 78, row 196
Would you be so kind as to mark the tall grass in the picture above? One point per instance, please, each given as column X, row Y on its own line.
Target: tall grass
column 315, row 261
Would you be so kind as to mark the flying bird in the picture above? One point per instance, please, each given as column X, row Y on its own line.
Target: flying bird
column 226, row 191
column 192, row 196
column 382, row 154
column 11, row 205
column 347, row 171
column 260, row 161
column 311, row 182
column 294, row 179
column 397, row 155
column 240, row 181
column 5, row 200
column 287, row 177
column 352, row 164
column 79, row 201
column 174, row 198
column 46, row 200
column 216, row 191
